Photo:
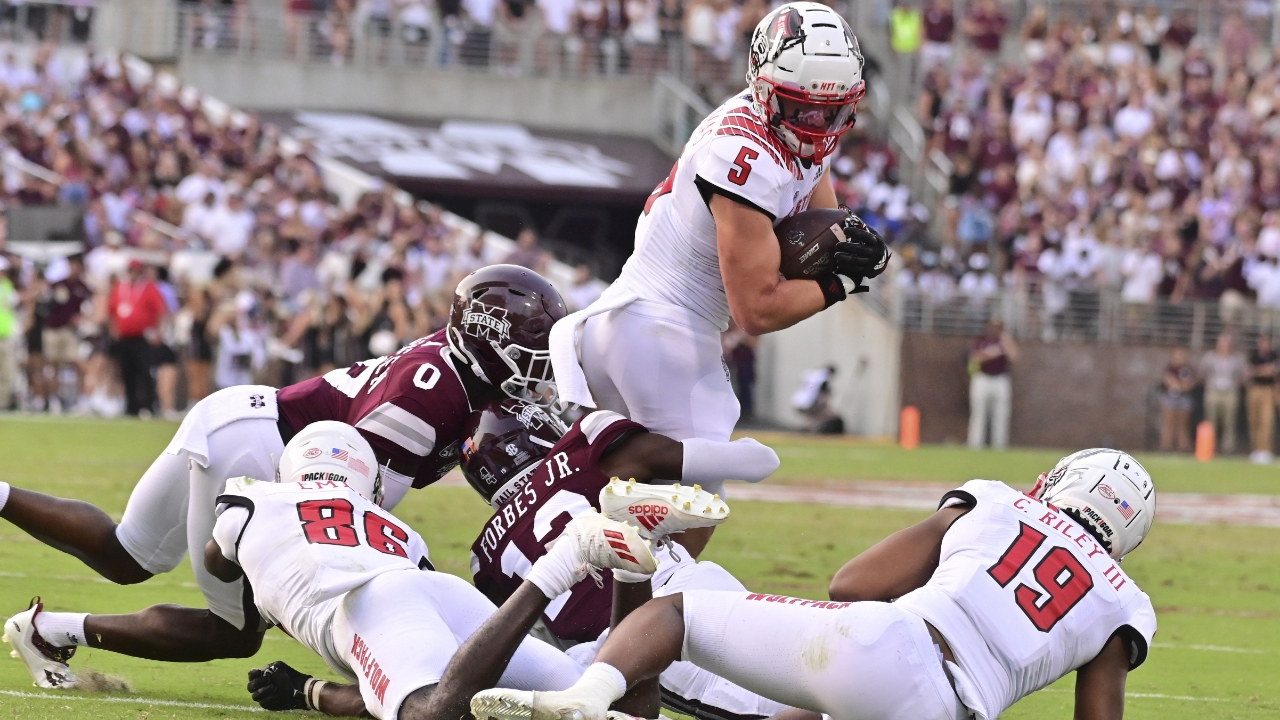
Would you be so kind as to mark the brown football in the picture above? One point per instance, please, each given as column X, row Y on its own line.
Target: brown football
column 807, row 240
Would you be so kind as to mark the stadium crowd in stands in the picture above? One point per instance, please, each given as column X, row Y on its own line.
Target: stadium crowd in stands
column 704, row 41
column 213, row 256
column 1125, row 154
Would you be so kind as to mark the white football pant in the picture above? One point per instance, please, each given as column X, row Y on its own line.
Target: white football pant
column 398, row 632
column 170, row 512
column 663, row 367
column 686, row 687
column 851, row 661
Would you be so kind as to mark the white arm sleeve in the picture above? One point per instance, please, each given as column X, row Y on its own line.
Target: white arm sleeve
column 394, row 487
column 709, row 461
column 226, row 532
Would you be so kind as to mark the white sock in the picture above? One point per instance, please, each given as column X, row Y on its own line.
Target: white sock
column 61, row 629
column 601, row 682
column 559, row 570
column 4, row 493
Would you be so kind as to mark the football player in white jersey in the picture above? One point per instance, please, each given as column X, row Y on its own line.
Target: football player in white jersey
column 346, row 578
column 998, row 594
column 705, row 250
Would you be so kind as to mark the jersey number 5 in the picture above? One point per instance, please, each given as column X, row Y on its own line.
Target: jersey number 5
column 1064, row 579
column 332, row 522
column 741, row 169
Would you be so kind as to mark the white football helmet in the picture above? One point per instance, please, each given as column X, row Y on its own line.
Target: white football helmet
column 335, row 451
column 1105, row 490
column 805, row 77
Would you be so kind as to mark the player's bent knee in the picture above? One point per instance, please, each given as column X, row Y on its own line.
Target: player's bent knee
column 121, row 568
column 234, row 642
column 417, row 705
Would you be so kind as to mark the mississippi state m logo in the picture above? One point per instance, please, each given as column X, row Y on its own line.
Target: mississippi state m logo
column 486, row 323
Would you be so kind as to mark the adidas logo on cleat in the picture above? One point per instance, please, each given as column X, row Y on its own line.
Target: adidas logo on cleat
column 618, row 542
column 650, row 516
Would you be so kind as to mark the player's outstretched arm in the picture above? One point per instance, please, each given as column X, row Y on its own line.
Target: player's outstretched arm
column 896, row 565
column 481, row 660
column 645, row 457
column 1100, row 682
column 643, row 698
column 759, row 299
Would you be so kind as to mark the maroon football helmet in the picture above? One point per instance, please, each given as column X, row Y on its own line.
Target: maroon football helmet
column 503, row 443
column 500, row 324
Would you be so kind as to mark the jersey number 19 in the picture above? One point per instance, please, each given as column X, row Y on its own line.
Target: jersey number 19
column 1064, row 579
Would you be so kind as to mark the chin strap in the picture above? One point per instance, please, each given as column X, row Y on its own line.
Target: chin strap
column 459, row 351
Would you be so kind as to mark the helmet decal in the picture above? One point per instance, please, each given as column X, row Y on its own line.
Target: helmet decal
column 499, row 326
column 532, row 417
column 1107, row 491
column 487, row 323
column 505, row 442
column 807, row 53
column 330, row 451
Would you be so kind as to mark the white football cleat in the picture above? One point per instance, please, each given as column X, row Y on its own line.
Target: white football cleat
column 46, row 663
column 661, row 510
column 503, row 704
column 608, row 544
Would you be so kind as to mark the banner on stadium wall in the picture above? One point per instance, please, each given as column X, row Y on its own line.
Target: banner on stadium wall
column 493, row 160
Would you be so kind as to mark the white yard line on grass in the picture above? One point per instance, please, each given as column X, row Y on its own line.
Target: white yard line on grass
column 90, row 578
column 1210, row 648
column 1162, row 696
column 131, row 700
column 1157, row 696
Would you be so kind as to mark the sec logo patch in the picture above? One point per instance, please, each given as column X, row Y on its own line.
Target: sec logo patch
column 312, row 453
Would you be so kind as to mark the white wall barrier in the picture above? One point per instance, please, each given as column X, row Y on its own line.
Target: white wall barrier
column 860, row 343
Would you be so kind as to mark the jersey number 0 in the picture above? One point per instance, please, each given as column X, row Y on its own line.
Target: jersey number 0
column 332, row 522
column 1064, row 579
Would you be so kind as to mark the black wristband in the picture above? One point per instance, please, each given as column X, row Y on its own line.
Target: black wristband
column 832, row 288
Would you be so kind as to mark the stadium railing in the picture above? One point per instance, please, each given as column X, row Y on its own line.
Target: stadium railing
column 59, row 21
column 1090, row 316
column 256, row 32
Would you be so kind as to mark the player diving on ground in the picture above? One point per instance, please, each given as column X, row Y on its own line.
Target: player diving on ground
column 410, row 406
column 550, row 480
column 997, row 595
column 352, row 583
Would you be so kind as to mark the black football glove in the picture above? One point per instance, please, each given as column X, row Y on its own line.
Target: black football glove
column 279, row 687
column 863, row 255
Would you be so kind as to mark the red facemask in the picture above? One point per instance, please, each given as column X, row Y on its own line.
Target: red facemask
column 816, row 120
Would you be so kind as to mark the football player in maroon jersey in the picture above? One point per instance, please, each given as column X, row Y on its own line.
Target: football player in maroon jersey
column 410, row 406
column 537, row 481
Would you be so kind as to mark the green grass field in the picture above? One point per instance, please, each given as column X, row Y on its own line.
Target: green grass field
column 1216, row 589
